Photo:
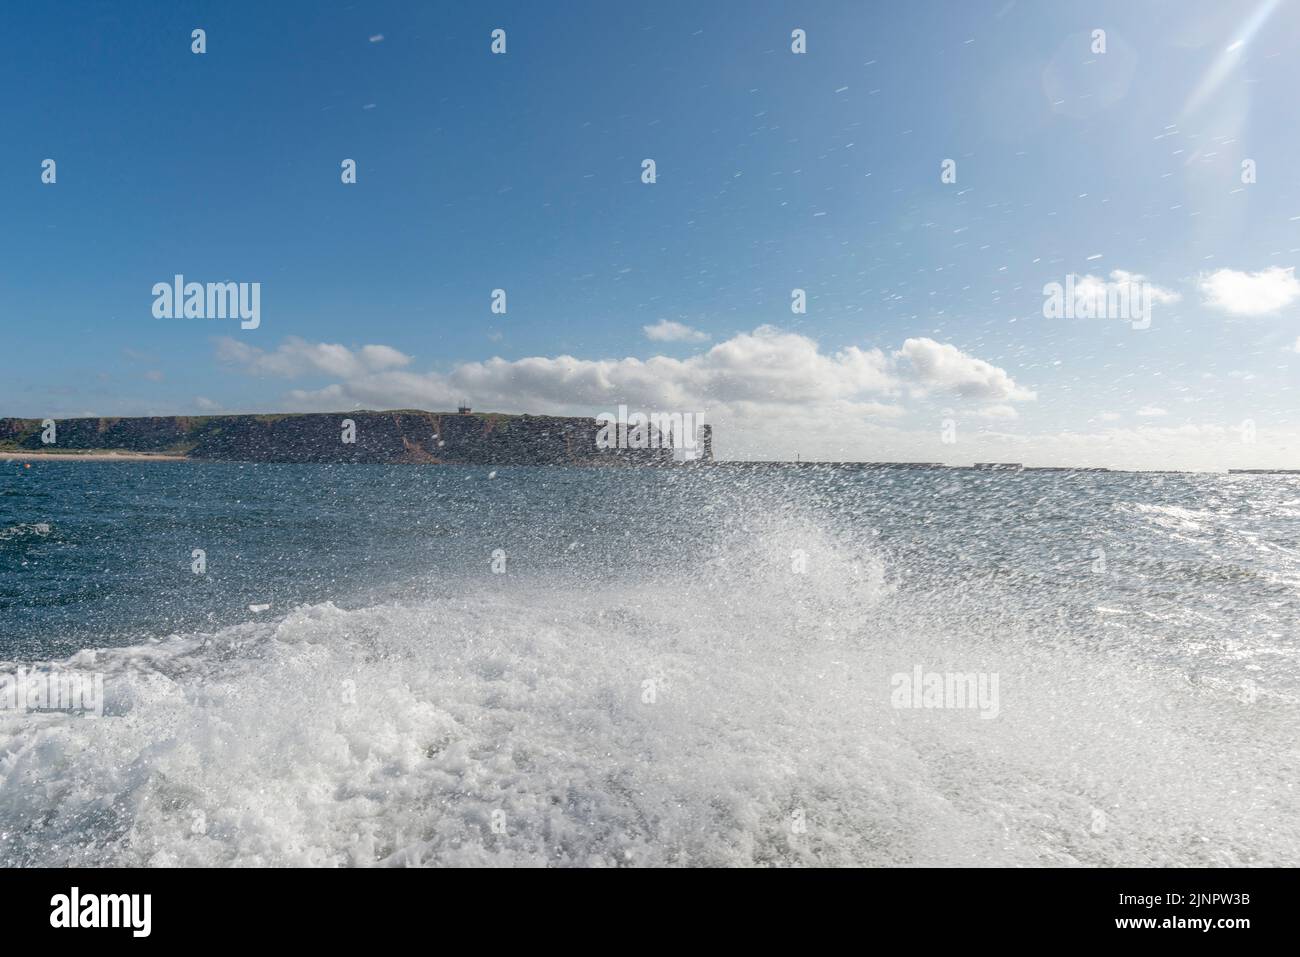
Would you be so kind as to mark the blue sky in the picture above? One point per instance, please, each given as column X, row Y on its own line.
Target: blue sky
column 776, row 171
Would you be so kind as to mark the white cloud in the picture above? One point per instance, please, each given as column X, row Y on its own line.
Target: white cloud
column 766, row 366
column 1092, row 293
column 296, row 357
column 665, row 330
column 1250, row 293
column 943, row 367
column 998, row 412
column 1151, row 411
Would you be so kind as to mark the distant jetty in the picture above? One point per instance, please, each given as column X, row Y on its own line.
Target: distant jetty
column 815, row 464
column 402, row 436
column 905, row 466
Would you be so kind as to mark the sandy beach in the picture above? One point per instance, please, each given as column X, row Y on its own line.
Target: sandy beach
column 89, row 457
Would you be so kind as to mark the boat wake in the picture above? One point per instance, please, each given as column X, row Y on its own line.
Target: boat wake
column 740, row 714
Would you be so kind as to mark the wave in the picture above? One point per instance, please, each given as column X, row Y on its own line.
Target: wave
column 25, row 530
column 739, row 713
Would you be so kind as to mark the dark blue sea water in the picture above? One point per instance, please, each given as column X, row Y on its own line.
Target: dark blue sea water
column 566, row 666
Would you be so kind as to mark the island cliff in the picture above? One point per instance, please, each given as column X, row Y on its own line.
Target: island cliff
column 402, row 436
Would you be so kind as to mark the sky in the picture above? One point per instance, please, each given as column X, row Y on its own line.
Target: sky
column 923, row 172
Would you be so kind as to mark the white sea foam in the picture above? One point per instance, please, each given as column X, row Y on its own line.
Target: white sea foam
column 391, row 734
column 25, row 530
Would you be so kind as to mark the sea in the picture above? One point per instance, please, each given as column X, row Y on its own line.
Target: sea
column 765, row 665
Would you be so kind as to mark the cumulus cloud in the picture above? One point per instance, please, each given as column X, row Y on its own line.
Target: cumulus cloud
column 943, row 367
column 1092, row 294
column 665, row 330
column 763, row 366
column 766, row 366
column 296, row 357
column 1250, row 293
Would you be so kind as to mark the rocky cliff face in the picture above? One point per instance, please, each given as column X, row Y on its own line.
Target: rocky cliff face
column 379, row 437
